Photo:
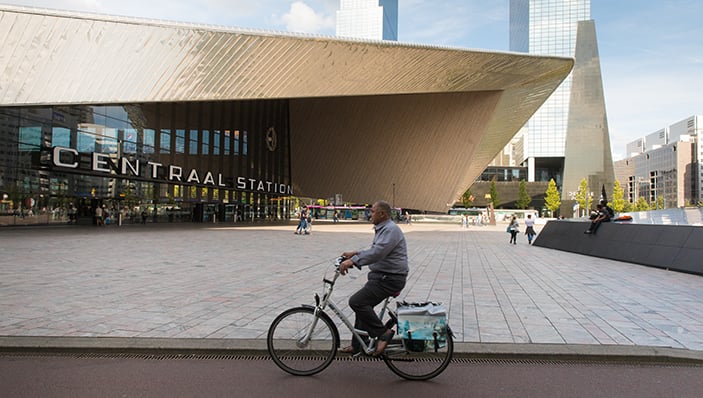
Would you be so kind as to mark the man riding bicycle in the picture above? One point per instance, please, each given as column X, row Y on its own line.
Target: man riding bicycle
column 387, row 259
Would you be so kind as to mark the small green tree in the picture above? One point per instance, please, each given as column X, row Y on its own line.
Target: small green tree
column 641, row 205
column 552, row 199
column 494, row 193
column 583, row 197
column 523, row 198
column 629, row 206
column 467, row 199
column 619, row 202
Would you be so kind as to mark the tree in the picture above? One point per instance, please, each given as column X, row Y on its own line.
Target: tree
column 619, row 202
column 494, row 193
column 552, row 199
column 641, row 205
column 467, row 199
column 583, row 197
column 629, row 206
column 523, row 199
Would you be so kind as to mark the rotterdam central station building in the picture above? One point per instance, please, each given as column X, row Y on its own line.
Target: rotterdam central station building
column 214, row 123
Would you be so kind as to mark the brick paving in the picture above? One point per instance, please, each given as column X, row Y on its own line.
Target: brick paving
column 175, row 281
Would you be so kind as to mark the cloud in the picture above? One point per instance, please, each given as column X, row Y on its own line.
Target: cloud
column 302, row 18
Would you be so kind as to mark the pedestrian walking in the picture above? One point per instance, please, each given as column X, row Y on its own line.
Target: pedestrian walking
column 514, row 229
column 303, row 221
column 529, row 228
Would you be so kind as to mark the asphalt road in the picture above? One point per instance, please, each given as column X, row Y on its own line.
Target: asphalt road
column 257, row 376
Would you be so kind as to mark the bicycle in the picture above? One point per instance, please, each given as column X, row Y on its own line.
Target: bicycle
column 304, row 340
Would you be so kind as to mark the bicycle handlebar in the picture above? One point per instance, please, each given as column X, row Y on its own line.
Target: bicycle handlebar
column 339, row 260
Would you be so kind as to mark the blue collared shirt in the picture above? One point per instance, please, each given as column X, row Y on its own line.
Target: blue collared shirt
column 388, row 252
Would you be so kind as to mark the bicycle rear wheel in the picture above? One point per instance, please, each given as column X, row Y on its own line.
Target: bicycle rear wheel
column 292, row 355
column 414, row 363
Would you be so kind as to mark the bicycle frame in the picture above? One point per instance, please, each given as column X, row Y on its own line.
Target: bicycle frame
column 326, row 301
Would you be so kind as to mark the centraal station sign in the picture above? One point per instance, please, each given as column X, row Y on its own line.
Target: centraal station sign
column 69, row 158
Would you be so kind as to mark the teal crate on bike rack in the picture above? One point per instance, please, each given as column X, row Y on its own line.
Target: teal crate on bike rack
column 422, row 325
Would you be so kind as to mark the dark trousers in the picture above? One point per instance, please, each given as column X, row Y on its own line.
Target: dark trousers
column 594, row 225
column 513, row 236
column 376, row 289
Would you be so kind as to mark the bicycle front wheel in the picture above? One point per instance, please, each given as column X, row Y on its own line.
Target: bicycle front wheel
column 414, row 361
column 289, row 348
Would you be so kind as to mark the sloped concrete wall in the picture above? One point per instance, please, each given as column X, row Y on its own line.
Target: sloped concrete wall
column 675, row 247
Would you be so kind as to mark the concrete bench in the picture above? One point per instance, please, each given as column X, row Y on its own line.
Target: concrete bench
column 674, row 247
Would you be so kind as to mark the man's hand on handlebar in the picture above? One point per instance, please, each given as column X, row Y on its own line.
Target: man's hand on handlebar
column 345, row 262
column 345, row 265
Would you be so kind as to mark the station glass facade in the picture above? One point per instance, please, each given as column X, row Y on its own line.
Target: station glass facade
column 223, row 161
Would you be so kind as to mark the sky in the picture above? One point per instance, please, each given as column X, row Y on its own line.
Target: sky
column 651, row 51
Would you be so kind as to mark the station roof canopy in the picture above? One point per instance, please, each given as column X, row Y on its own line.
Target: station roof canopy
column 51, row 57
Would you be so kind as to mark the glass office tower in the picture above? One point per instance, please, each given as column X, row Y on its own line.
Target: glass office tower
column 547, row 27
column 567, row 138
column 368, row 19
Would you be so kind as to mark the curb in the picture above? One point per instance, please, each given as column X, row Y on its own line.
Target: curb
column 565, row 352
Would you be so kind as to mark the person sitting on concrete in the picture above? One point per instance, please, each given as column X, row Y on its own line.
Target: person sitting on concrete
column 602, row 216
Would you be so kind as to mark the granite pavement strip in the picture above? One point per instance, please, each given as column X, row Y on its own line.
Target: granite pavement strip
column 216, row 287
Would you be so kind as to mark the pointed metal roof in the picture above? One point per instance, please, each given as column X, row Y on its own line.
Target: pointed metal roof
column 68, row 57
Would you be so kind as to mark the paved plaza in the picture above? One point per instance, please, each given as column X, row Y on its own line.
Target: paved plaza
column 178, row 285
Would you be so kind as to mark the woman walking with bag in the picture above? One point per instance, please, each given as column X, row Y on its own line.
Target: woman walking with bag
column 514, row 229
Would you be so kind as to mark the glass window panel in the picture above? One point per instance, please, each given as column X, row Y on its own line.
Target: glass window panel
column 206, row 142
column 97, row 114
column 130, row 141
column 193, row 148
column 180, row 141
column 30, row 138
column 245, row 143
column 228, row 140
column 86, row 139
column 216, row 142
column 61, row 136
column 116, row 112
column 165, row 143
column 149, row 140
column 107, row 141
column 236, row 142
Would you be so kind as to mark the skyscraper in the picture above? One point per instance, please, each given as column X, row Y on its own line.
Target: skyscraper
column 567, row 139
column 368, row 19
